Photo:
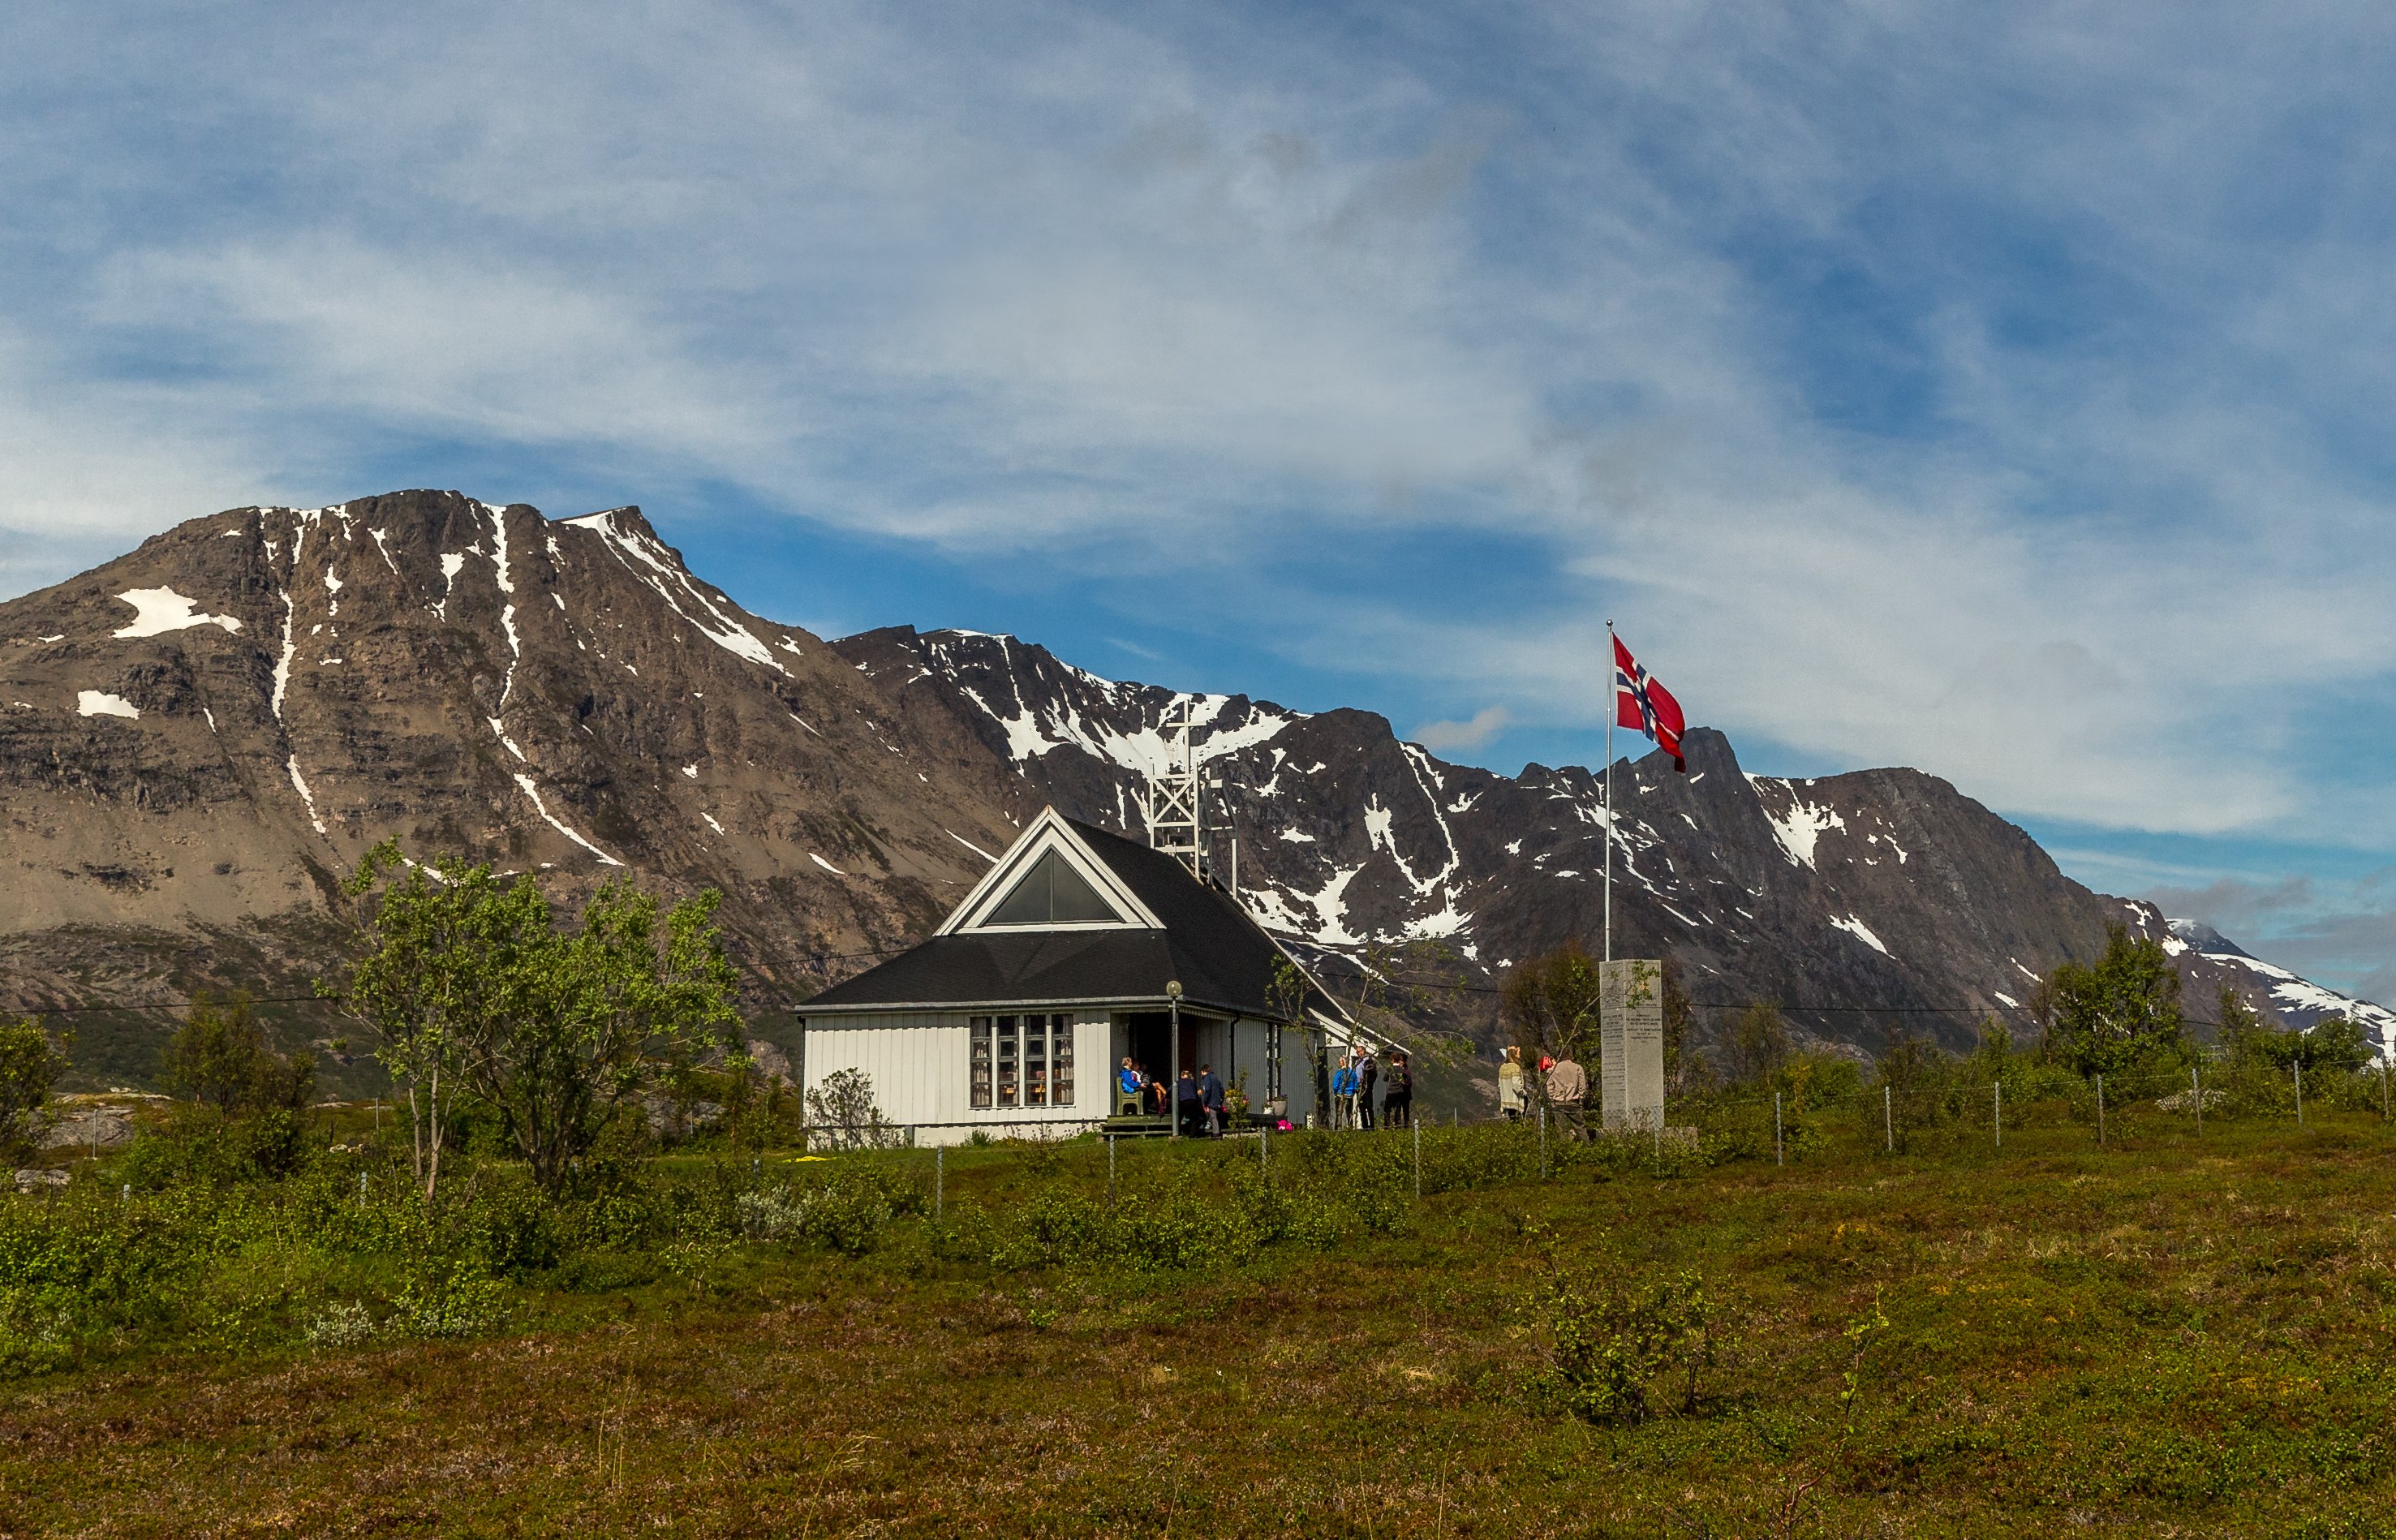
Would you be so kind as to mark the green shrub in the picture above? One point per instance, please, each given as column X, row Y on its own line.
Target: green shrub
column 449, row 1297
column 343, row 1324
column 1608, row 1342
column 847, row 1212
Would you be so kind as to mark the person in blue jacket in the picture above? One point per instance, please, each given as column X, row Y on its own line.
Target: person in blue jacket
column 1343, row 1093
column 1127, row 1080
column 1210, row 1096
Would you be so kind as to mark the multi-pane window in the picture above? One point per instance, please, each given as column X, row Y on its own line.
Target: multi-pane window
column 1060, row 1061
column 979, row 1062
column 1022, row 1061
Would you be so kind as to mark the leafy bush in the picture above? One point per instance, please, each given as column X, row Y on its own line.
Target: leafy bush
column 847, row 1212
column 343, row 1324
column 30, row 1064
column 449, row 1297
column 218, row 1057
column 1608, row 1342
column 197, row 1146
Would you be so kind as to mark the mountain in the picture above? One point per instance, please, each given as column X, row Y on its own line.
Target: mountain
column 199, row 740
column 1861, row 902
column 2298, row 1001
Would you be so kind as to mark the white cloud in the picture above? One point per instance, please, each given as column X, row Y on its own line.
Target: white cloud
column 1991, row 391
column 1442, row 737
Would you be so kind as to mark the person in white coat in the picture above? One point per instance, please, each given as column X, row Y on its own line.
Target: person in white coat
column 1510, row 1086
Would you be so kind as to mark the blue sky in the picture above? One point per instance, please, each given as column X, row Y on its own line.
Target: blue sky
column 2000, row 391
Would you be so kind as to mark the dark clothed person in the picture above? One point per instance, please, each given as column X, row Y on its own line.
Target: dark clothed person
column 1187, row 1107
column 1366, row 1075
column 1398, row 1096
column 1210, row 1096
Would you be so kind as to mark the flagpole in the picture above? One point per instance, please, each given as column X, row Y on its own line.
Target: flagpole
column 1613, row 697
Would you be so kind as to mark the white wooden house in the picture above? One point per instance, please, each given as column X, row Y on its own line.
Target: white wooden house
column 1062, row 962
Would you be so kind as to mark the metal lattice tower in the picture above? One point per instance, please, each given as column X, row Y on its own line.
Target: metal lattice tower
column 1171, row 801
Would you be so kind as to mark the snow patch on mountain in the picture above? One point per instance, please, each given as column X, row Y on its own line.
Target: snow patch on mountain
column 159, row 610
column 1861, row 932
column 1797, row 825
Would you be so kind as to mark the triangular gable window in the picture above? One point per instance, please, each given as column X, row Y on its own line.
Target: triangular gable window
column 1052, row 892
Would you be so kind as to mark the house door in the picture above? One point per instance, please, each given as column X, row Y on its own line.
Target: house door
column 1149, row 1035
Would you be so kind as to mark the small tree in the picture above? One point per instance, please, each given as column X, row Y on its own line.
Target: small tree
column 30, row 1064
column 1552, row 1004
column 1759, row 1041
column 1685, row 1067
column 433, row 964
column 2333, row 1044
column 583, row 1021
column 843, row 1107
column 1286, row 997
column 2236, row 1024
column 469, row 985
column 220, row 1057
column 2123, row 1012
column 1914, row 1074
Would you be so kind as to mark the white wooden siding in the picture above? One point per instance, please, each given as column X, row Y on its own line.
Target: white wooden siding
column 918, row 1064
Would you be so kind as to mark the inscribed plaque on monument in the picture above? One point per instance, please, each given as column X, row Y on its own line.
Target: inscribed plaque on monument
column 1631, row 1041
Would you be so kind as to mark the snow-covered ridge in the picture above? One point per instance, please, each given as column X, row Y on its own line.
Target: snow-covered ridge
column 1035, row 726
column 2299, row 999
column 648, row 559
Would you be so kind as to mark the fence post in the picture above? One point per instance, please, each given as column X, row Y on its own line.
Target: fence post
column 1888, row 1117
column 2100, row 1112
column 2196, row 1094
column 2383, row 1090
column 1418, row 1130
column 1777, row 1157
column 939, row 1181
column 2299, row 1069
column 1264, row 1157
column 1110, row 1171
column 1543, row 1141
column 1997, row 1118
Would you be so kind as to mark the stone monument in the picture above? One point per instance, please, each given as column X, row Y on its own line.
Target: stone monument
column 1630, row 1038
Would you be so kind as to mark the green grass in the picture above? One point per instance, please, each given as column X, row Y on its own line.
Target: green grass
column 2173, row 1335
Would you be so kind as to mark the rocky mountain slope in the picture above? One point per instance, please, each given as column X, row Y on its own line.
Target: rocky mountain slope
column 199, row 740
column 1861, row 902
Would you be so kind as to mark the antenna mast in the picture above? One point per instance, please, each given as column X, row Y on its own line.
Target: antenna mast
column 1170, row 799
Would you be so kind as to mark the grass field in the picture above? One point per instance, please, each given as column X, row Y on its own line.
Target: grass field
column 2174, row 1335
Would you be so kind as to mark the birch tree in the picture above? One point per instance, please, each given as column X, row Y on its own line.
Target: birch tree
column 436, row 955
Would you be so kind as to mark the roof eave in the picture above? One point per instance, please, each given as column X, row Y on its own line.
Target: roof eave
column 1153, row 1002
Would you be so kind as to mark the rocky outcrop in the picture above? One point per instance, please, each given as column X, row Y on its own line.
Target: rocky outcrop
column 200, row 740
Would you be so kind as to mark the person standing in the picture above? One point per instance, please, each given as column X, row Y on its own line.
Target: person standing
column 1568, row 1092
column 1510, row 1086
column 1210, row 1097
column 1185, row 1105
column 1343, row 1093
column 1368, row 1073
column 1398, row 1096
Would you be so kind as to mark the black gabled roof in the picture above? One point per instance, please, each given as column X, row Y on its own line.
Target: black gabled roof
column 1220, row 956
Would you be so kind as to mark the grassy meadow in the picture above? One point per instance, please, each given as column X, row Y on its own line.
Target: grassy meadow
column 2177, row 1333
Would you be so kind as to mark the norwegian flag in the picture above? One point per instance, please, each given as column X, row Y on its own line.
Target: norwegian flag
column 1641, row 702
